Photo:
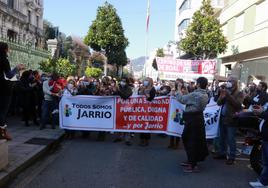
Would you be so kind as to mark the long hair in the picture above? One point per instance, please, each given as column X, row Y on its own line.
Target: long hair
column 3, row 49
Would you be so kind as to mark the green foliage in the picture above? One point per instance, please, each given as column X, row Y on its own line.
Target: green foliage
column 49, row 30
column 126, row 73
column 66, row 46
column 107, row 34
column 119, row 58
column 93, row 72
column 204, row 38
column 160, row 52
column 60, row 66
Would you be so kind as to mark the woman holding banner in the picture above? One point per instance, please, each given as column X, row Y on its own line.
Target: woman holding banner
column 175, row 141
column 148, row 90
column 194, row 136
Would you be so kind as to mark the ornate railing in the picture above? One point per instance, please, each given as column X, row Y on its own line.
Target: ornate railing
column 24, row 53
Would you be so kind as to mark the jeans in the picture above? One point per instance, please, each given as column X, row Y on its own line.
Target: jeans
column 264, row 174
column 47, row 108
column 4, row 107
column 227, row 140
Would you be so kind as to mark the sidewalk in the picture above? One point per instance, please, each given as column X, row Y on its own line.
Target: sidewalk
column 27, row 145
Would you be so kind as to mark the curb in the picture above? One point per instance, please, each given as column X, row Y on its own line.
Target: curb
column 38, row 156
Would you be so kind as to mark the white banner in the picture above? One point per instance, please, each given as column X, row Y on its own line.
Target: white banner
column 87, row 113
column 136, row 114
column 176, row 124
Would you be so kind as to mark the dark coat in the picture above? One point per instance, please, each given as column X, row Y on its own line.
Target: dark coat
column 26, row 94
column 125, row 92
column 6, row 86
column 152, row 93
column 233, row 104
column 264, row 131
column 194, row 137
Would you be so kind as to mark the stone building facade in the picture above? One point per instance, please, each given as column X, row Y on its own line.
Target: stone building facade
column 21, row 21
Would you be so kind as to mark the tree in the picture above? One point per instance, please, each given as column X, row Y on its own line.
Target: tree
column 120, row 57
column 160, row 52
column 204, row 38
column 60, row 66
column 49, row 32
column 93, row 72
column 107, row 34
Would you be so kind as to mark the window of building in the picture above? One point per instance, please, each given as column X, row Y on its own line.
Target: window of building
column 37, row 21
column 29, row 16
column 250, row 18
column 261, row 14
column 10, row 4
column 11, row 35
column 185, row 5
column 239, row 23
column 183, row 25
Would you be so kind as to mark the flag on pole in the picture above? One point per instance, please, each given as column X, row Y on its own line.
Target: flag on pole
column 148, row 16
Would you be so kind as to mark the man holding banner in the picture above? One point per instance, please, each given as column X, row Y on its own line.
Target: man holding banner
column 194, row 136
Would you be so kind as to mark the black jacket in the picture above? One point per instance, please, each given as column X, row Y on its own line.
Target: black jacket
column 6, row 86
column 125, row 92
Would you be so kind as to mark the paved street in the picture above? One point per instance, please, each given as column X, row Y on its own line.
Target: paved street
column 84, row 163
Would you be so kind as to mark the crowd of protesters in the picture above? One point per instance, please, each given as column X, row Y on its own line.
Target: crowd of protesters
column 37, row 98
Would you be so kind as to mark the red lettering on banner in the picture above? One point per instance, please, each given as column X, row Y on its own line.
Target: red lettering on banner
column 208, row 67
column 139, row 114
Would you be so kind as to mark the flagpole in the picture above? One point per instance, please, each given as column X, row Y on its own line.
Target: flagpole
column 147, row 34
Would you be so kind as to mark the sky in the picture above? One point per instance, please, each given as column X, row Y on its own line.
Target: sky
column 75, row 16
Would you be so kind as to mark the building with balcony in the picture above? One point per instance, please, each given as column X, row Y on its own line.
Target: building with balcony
column 184, row 13
column 22, row 21
column 245, row 24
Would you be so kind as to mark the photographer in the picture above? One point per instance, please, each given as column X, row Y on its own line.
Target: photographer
column 230, row 100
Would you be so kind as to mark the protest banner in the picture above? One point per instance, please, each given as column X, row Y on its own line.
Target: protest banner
column 136, row 114
column 139, row 115
column 87, row 113
column 170, row 68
